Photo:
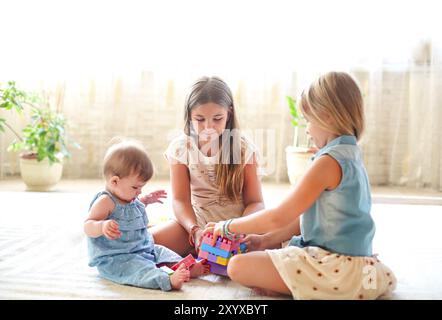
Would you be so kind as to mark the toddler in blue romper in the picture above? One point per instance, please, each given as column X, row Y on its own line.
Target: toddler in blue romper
column 119, row 243
column 132, row 258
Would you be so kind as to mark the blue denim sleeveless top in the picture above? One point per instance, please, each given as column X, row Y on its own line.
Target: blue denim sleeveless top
column 339, row 220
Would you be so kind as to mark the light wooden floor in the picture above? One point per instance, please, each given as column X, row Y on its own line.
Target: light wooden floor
column 43, row 250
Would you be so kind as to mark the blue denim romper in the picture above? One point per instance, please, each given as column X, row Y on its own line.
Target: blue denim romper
column 132, row 258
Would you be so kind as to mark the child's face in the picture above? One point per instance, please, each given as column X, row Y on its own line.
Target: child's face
column 319, row 136
column 127, row 188
column 209, row 120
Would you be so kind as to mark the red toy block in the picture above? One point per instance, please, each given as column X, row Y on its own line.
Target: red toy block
column 187, row 261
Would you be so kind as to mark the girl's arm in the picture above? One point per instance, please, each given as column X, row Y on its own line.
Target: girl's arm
column 252, row 194
column 324, row 174
column 95, row 224
column 182, row 207
column 275, row 238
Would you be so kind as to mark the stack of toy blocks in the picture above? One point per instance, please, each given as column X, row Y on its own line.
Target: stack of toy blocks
column 218, row 256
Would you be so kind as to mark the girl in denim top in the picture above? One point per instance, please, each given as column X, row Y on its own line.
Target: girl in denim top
column 119, row 243
column 332, row 257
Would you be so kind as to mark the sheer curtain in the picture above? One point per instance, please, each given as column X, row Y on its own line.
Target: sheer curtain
column 123, row 68
column 150, row 107
column 404, row 111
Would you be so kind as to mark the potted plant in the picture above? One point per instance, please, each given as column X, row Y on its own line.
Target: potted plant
column 299, row 154
column 43, row 142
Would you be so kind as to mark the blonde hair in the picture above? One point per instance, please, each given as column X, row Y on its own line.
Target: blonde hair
column 334, row 102
column 126, row 158
column 229, row 176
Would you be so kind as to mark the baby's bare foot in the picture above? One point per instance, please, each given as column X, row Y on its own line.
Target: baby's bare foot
column 200, row 268
column 180, row 276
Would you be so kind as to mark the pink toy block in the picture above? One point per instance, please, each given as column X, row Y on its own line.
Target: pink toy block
column 225, row 244
column 221, row 243
column 203, row 254
column 207, row 238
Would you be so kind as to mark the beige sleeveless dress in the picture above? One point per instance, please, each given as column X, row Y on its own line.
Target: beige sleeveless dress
column 209, row 205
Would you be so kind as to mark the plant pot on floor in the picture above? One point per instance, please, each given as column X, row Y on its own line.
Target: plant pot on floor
column 298, row 160
column 40, row 175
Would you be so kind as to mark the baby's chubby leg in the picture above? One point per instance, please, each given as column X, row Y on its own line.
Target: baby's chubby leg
column 135, row 270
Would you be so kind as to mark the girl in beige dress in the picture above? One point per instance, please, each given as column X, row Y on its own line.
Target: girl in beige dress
column 214, row 169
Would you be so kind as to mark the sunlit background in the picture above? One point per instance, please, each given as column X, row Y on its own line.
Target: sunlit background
column 124, row 68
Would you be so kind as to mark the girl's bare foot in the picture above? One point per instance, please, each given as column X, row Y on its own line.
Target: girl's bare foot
column 266, row 292
column 180, row 276
column 200, row 268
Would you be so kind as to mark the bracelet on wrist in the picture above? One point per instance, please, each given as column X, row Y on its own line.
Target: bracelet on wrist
column 227, row 233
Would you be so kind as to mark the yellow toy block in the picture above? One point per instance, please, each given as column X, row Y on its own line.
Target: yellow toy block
column 222, row 261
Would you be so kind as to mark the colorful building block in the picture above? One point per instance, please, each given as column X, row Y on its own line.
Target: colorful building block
column 218, row 256
column 218, row 269
column 187, row 261
column 222, row 261
column 214, row 250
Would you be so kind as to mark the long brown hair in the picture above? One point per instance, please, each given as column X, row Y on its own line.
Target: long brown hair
column 229, row 176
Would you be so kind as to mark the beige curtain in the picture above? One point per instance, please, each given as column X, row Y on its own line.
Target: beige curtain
column 150, row 107
column 130, row 78
column 403, row 141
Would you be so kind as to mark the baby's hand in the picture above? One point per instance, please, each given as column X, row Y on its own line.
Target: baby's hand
column 153, row 197
column 110, row 229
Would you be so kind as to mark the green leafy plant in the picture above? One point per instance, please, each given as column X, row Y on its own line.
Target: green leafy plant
column 298, row 121
column 12, row 98
column 293, row 111
column 45, row 135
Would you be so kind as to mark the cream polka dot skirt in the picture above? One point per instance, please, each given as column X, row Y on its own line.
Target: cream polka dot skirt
column 314, row 273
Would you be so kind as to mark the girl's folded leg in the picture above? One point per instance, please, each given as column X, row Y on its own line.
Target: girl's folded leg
column 256, row 270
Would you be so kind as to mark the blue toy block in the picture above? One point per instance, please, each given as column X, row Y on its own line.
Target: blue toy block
column 215, row 251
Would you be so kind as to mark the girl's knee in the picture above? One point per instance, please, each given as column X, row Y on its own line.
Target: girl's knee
column 235, row 267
